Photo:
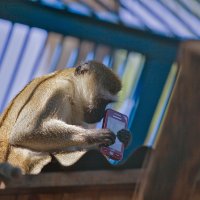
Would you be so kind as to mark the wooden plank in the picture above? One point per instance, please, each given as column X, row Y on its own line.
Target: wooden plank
column 174, row 168
column 85, row 195
column 71, row 181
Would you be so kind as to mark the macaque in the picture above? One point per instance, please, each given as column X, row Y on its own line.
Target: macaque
column 46, row 119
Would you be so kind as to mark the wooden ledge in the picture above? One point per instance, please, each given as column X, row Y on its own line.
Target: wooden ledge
column 70, row 181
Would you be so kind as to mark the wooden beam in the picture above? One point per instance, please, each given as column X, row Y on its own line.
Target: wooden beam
column 173, row 172
column 71, row 181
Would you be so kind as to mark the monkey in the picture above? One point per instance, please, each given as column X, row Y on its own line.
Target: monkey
column 46, row 119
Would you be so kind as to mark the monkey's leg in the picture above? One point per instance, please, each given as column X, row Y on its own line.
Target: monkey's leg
column 55, row 135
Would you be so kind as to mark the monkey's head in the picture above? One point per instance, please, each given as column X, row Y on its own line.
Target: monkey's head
column 98, row 86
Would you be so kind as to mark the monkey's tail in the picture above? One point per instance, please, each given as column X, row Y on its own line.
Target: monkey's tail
column 4, row 151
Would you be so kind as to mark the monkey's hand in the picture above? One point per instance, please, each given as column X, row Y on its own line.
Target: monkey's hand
column 103, row 137
column 124, row 136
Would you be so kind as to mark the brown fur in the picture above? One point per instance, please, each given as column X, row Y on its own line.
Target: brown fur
column 8, row 119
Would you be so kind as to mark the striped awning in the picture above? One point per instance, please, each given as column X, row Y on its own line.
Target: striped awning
column 172, row 18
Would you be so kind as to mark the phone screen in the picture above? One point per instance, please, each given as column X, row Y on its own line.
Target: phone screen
column 114, row 121
column 115, row 126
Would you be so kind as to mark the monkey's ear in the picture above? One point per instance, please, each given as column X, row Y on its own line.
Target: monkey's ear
column 82, row 69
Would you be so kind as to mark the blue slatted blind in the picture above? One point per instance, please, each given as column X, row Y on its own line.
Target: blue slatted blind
column 27, row 53
column 171, row 18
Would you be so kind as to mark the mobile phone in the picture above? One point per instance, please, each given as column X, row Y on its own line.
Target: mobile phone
column 114, row 121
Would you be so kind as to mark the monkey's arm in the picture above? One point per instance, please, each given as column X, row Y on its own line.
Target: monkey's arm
column 55, row 135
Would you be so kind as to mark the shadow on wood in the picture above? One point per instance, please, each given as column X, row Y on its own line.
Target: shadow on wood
column 173, row 171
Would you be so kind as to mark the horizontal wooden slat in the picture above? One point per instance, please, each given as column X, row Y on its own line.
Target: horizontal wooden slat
column 70, row 181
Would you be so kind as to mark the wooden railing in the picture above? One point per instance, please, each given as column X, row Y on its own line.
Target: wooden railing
column 86, row 185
